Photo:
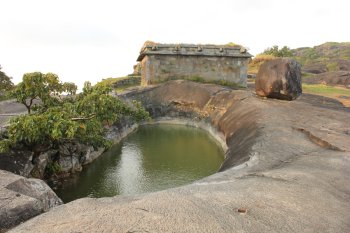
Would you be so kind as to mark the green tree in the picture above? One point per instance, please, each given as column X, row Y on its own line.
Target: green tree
column 5, row 83
column 81, row 119
column 275, row 51
column 44, row 87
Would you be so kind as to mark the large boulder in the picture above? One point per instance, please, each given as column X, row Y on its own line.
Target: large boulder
column 280, row 79
column 23, row 198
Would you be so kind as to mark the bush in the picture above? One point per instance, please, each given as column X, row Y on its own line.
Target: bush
column 275, row 51
column 80, row 119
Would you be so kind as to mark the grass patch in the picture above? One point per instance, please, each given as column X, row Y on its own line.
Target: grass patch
column 337, row 93
column 320, row 89
column 121, row 83
column 307, row 75
column 217, row 82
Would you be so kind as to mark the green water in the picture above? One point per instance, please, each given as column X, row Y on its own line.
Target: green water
column 155, row 157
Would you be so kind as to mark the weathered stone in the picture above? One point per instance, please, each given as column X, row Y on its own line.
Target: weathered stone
column 67, row 149
column 18, row 162
column 70, row 164
column 41, row 162
column 76, row 165
column 92, row 154
column 37, row 189
column 208, row 63
column 280, row 79
column 331, row 78
column 65, row 164
column 23, row 198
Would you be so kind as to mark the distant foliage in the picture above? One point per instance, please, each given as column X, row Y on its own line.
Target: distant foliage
column 119, row 84
column 275, row 51
column 44, row 87
column 330, row 56
column 268, row 55
column 6, row 84
column 82, row 118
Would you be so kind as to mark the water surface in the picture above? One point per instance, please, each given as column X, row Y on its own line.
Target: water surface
column 155, row 157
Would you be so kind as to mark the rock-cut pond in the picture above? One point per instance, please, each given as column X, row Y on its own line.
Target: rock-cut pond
column 153, row 158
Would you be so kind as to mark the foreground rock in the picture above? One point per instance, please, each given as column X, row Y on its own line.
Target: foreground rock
column 23, row 198
column 286, row 170
column 280, row 79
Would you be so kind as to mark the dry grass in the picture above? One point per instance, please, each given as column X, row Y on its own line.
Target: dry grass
column 257, row 61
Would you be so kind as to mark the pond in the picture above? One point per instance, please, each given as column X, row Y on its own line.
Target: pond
column 155, row 157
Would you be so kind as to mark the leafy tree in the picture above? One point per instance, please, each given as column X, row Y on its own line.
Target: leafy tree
column 275, row 51
column 81, row 119
column 5, row 83
column 44, row 87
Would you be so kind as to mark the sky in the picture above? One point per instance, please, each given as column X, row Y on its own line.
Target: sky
column 88, row 40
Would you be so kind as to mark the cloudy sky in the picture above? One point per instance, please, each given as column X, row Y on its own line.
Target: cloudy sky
column 93, row 39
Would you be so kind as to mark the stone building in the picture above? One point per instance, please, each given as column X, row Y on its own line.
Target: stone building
column 209, row 63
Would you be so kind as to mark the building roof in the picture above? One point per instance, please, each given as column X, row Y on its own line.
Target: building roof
column 151, row 48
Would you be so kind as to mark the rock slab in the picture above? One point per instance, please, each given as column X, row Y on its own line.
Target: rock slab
column 281, row 167
column 279, row 79
column 22, row 199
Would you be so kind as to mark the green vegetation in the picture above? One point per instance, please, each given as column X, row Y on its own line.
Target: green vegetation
column 320, row 89
column 275, row 51
column 53, row 168
column 119, row 84
column 217, row 82
column 332, row 66
column 328, row 55
column 75, row 118
column 268, row 55
column 6, row 85
column 338, row 93
column 306, row 75
column 44, row 87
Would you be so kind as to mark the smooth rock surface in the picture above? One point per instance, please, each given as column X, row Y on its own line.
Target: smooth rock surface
column 21, row 199
column 287, row 165
column 280, row 79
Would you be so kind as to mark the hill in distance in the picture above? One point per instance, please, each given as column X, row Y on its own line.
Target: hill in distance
column 327, row 57
column 325, row 69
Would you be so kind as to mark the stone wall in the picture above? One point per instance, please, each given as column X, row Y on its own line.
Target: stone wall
column 160, row 68
column 208, row 63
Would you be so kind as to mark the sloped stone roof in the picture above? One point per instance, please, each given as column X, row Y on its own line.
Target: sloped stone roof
column 193, row 50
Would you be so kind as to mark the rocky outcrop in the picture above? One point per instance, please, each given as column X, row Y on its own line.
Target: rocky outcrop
column 23, row 198
column 280, row 79
column 66, row 159
column 330, row 78
column 275, row 170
